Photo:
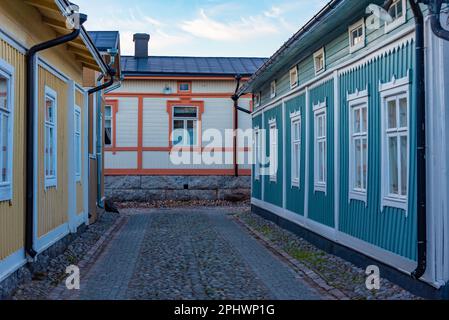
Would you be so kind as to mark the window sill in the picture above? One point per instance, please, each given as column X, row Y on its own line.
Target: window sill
column 395, row 24
column 395, row 202
column 320, row 188
column 359, row 196
column 5, row 193
column 356, row 48
column 51, row 183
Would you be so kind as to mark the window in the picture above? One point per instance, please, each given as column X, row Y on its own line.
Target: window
column 357, row 36
column 294, row 77
column 257, row 154
column 296, row 148
column 50, row 138
column 395, row 144
column 319, row 61
column 77, row 138
column 6, row 129
column 273, row 150
column 108, row 126
column 358, row 145
column 185, row 126
column 273, row 89
column 184, row 87
column 320, row 162
column 397, row 12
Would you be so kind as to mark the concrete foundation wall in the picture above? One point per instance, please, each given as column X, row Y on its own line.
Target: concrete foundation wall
column 181, row 188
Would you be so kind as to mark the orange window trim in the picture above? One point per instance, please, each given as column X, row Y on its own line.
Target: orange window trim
column 185, row 102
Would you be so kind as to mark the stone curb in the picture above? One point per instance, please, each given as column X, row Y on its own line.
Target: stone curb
column 310, row 275
column 59, row 293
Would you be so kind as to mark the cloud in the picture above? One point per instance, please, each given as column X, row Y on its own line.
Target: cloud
column 213, row 29
column 274, row 12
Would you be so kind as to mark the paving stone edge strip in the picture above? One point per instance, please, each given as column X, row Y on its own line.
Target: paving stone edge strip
column 91, row 255
column 307, row 273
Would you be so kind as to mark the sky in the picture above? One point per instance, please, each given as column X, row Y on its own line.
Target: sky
column 216, row 28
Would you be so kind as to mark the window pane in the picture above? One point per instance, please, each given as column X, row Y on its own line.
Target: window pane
column 49, row 106
column 365, row 163
column 108, row 111
column 364, row 119
column 404, row 165
column 184, row 87
column 399, row 9
column 108, row 136
column 191, row 131
column 3, row 93
column 4, row 128
column 185, row 112
column 358, row 164
column 178, row 132
column 393, row 165
column 356, row 121
column 51, row 152
column 392, row 122
column 321, row 162
column 403, row 112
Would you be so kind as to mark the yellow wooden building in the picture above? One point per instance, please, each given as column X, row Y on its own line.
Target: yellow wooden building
column 43, row 178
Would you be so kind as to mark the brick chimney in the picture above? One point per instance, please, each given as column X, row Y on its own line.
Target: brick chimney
column 141, row 41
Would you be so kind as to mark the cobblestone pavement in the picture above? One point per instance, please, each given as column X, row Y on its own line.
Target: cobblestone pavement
column 189, row 254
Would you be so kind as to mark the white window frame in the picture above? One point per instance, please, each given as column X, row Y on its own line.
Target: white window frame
column 6, row 188
column 358, row 46
column 77, row 136
column 257, row 153
column 357, row 100
column 295, row 118
column 108, row 118
column 315, row 56
column 395, row 88
column 294, row 81
column 274, row 149
column 320, row 110
column 397, row 22
column 51, row 181
column 273, row 89
column 185, row 119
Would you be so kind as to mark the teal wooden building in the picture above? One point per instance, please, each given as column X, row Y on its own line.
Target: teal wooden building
column 337, row 142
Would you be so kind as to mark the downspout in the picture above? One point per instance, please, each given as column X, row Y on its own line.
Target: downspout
column 421, row 141
column 435, row 20
column 99, row 142
column 235, row 98
column 31, row 94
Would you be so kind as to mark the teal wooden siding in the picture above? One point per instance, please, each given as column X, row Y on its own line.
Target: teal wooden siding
column 295, row 196
column 390, row 229
column 336, row 51
column 321, row 204
column 257, row 184
column 273, row 190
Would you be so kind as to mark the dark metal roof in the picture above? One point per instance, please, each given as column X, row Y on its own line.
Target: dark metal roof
column 191, row 66
column 105, row 40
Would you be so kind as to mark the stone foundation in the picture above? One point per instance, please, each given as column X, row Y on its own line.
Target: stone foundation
column 177, row 188
column 9, row 285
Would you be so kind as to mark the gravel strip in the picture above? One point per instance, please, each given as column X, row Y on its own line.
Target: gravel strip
column 334, row 271
column 43, row 284
column 182, row 204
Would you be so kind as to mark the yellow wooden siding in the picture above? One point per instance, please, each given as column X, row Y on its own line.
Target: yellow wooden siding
column 79, row 100
column 12, row 214
column 53, row 202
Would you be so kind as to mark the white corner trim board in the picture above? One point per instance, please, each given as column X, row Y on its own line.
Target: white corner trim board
column 12, row 263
